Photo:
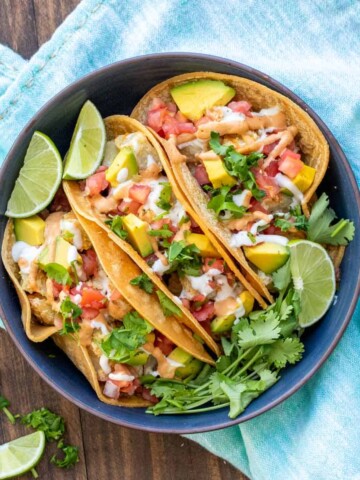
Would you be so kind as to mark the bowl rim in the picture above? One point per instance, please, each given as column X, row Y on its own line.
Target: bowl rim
column 275, row 85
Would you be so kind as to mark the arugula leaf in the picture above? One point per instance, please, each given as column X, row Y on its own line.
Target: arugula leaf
column 4, row 403
column 320, row 229
column 282, row 277
column 260, row 331
column 164, row 201
column 143, row 281
column 71, row 456
column 168, row 306
column 46, row 421
column 57, row 272
column 69, row 311
column 163, row 232
column 184, row 259
column 286, row 350
column 116, row 226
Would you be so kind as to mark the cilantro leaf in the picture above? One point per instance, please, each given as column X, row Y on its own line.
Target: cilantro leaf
column 163, row 232
column 294, row 219
column 282, row 277
column 57, row 272
column 122, row 344
column 71, row 456
column 221, row 201
column 164, row 201
column 320, row 229
column 143, row 281
column 134, row 322
column 241, row 394
column 287, row 350
column 184, row 259
column 116, row 226
column 4, row 403
column 261, row 331
column 46, row 421
column 69, row 311
column 168, row 306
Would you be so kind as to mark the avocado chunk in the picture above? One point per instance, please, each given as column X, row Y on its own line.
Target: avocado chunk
column 192, row 368
column 138, row 237
column 179, row 355
column 222, row 324
column 194, row 98
column 30, row 230
column 139, row 359
column 247, row 301
column 203, row 244
column 122, row 168
column 267, row 256
column 217, row 174
column 304, row 179
column 65, row 254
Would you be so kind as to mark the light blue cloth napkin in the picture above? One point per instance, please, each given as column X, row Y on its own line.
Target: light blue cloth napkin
column 313, row 48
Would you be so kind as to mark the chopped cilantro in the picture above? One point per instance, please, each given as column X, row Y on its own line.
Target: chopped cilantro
column 70, row 312
column 168, row 306
column 4, row 404
column 184, row 259
column 163, row 232
column 164, row 201
column 116, row 225
column 221, row 201
column 143, row 281
column 71, row 456
column 46, row 421
column 57, row 272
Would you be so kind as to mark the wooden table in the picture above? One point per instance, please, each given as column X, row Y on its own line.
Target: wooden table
column 106, row 450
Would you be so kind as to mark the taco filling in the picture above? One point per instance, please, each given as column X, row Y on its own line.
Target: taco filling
column 137, row 202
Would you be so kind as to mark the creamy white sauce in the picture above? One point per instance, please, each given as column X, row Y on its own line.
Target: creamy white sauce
column 242, row 239
column 240, row 311
column 70, row 226
column 72, row 255
column 101, row 326
column 154, row 196
column 104, row 364
column 225, row 290
column 122, row 175
column 159, row 268
column 121, row 377
column 24, row 251
column 176, row 213
column 101, row 282
column 201, row 284
column 133, row 140
column 266, row 279
column 150, row 160
column 76, row 298
column 266, row 112
column 242, row 199
column 261, row 223
column 284, row 182
column 272, row 239
column 173, row 363
column 230, row 116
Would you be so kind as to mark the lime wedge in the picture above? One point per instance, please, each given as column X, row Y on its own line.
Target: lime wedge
column 38, row 180
column 313, row 275
column 21, row 455
column 87, row 144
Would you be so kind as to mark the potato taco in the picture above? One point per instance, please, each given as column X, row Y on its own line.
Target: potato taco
column 247, row 158
column 134, row 197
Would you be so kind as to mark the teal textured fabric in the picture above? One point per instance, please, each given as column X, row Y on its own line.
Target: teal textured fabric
column 313, row 48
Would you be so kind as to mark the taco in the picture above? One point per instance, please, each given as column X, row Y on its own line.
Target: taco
column 74, row 284
column 247, row 158
column 135, row 198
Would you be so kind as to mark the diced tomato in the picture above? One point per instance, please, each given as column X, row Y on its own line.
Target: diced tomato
column 272, row 230
column 90, row 264
column 58, row 287
column 89, row 313
column 290, row 165
column 199, row 298
column 60, row 203
column 171, row 126
column 201, row 175
column 267, row 149
column 146, row 394
column 241, row 107
column 256, row 206
column 180, row 117
column 202, row 120
column 272, row 169
column 75, row 291
column 97, row 183
column 159, row 224
column 266, row 183
column 102, row 168
column 92, row 298
column 186, row 303
column 216, row 263
column 127, row 206
column 139, row 193
column 115, row 295
column 156, row 104
column 289, row 153
column 129, row 389
column 162, row 342
column 156, row 118
column 205, row 313
column 171, row 107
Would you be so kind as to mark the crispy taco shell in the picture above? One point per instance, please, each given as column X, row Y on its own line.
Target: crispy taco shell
column 116, row 125
column 36, row 330
column 310, row 139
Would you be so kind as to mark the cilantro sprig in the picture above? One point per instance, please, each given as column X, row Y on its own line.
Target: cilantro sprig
column 294, row 219
column 70, row 312
column 222, row 201
column 70, row 456
column 168, row 306
column 4, row 404
column 164, row 201
column 184, row 259
column 143, row 281
column 116, row 225
column 58, row 272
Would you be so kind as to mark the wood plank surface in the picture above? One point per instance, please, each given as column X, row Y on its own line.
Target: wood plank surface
column 106, row 450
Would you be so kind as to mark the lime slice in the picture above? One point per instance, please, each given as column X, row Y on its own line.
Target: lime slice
column 87, row 144
column 21, row 455
column 313, row 275
column 38, row 180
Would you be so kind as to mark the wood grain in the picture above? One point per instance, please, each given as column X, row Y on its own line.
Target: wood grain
column 106, row 450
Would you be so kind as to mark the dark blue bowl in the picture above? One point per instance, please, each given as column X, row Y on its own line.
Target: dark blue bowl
column 116, row 89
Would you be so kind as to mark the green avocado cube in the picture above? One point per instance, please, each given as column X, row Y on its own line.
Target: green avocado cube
column 138, row 236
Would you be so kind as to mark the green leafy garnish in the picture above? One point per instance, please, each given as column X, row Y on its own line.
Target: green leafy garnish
column 168, row 306
column 122, row 344
column 221, row 201
column 285, row 350
column 70, row 312
column 164, row 201
column 4, row 404
column 261, row 331
column 238, row 165
column 163, row 232
column 295, row 218
column 70, row 456
column 282, row 276
column 143, row 281
column 57, row 272
column 45, row 420
column 184, row 259
column 320, row 229
column 116, row 225
column 68, row 236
